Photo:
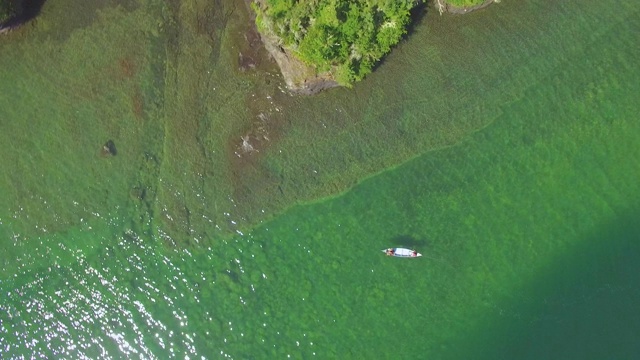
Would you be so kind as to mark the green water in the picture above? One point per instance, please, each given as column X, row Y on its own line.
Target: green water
column 510, row 143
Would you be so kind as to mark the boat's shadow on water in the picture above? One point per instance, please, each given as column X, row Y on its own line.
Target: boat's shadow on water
column 423, row 246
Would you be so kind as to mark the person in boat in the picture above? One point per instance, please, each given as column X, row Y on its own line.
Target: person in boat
column 390, row 252
column 414, row 253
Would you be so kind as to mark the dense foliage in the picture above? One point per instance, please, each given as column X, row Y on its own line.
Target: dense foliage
column 345, row 36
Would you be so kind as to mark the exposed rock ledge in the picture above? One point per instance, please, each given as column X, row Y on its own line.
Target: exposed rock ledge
column 299, row 77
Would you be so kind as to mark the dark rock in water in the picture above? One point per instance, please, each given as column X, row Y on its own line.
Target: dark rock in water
column 138, row 193
column 109, row 149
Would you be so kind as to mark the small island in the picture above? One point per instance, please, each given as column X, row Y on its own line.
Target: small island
column 328, row 43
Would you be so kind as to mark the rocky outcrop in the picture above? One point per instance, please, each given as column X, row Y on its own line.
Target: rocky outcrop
column 299, row 77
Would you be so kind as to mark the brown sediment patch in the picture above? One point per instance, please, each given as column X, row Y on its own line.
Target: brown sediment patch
column 246, row 62
column 251, row 52
column 127, row 67
column 256, row 185
column 137, row 104
column 247, row 148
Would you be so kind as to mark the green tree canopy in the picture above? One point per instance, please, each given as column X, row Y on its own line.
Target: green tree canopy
column 345, row 36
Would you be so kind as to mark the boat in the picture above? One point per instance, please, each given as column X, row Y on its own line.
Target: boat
column 401, row 252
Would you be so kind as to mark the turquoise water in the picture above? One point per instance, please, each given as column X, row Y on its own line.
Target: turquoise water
column 503, row 145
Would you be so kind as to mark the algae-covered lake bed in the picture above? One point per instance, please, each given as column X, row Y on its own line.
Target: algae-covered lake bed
column 227, row 218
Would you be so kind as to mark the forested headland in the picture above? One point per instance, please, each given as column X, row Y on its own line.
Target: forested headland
column 342, row 38
column 345, row 37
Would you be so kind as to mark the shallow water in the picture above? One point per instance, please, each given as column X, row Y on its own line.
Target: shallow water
column 510, row 139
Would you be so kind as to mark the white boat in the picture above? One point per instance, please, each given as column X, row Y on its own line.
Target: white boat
column 401, row 252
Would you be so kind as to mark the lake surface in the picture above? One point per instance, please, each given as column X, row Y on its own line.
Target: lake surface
column 238, row 221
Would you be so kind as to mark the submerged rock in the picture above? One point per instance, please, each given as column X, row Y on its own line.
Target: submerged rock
column 138, row 193
column 109, row 149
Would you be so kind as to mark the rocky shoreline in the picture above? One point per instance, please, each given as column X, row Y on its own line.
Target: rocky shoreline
column 452, row 9
column 303, row 79
column 299, row 77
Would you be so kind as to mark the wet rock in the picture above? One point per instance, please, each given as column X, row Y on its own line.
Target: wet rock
column 246, row 62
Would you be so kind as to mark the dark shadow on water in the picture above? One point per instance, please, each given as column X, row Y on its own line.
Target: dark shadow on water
column 31, row 9
column 583, row 306
column 417, row 15
column 27, row 10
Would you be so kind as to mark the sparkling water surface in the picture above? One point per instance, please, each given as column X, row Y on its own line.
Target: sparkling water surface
column 503, row 145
